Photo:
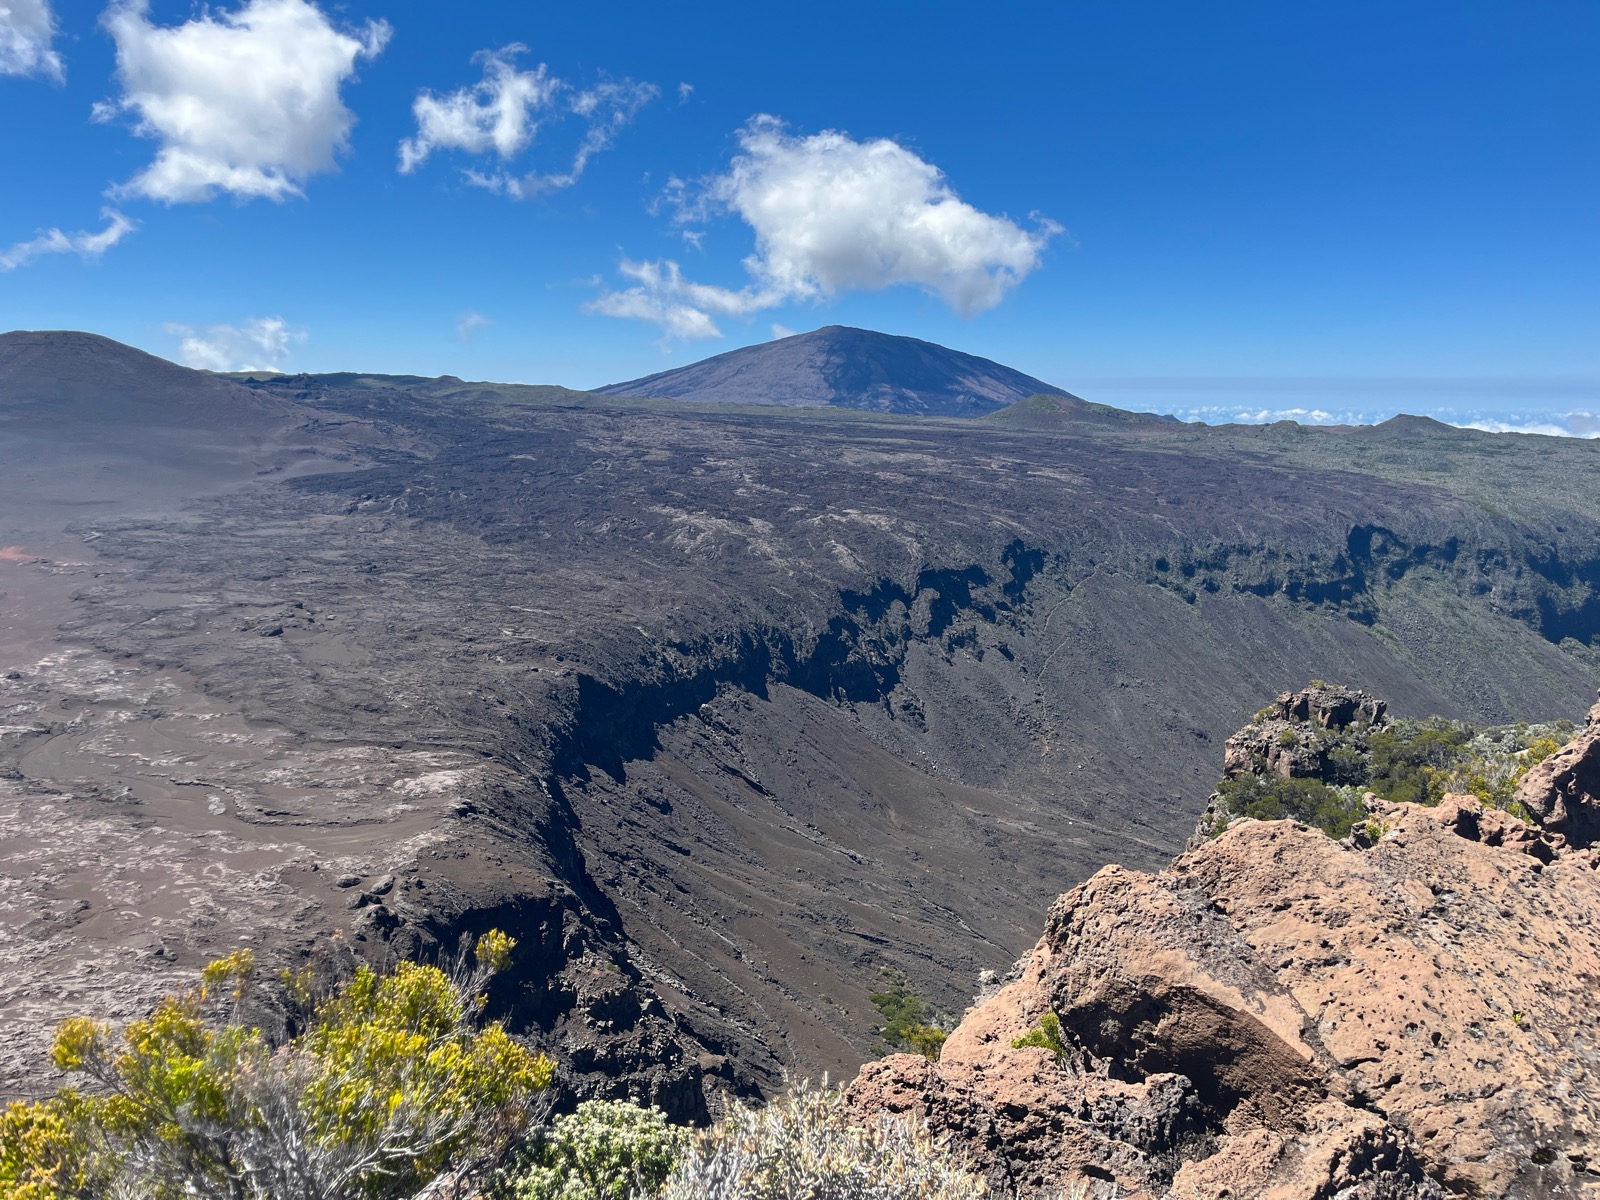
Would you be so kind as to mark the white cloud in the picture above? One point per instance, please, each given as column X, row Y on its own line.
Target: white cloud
column 832, row 215
column 502, row 113
column 469, row 323
column 1578, row 425
column 1575, row 424
column 681, row 307
column 259, row 344
column 26, row 31
column 685, row 90
column 496, row 114
column 779, row 332
column 245, row 102
column 54, row 241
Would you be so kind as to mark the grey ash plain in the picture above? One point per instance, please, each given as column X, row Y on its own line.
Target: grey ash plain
column 721, row 709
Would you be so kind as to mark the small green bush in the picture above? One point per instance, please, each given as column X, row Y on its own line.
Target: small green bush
column 900, row 1007
column 1410, row 760
column 906, row 1023
column 926, row 1040
column 607, row 1150
column 1273, row 799
column 810, row 1144
column 1046, row 1034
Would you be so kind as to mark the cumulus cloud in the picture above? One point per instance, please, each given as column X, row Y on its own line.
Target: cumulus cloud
column 831, row 215
column 83, row 244
column 469, row 323
column 26, row 32
column 496, row 114
column 246, row 102
column 259, row 344
column 502, row 113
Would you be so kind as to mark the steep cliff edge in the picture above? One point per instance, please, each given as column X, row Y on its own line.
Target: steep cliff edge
column 1406, row 1013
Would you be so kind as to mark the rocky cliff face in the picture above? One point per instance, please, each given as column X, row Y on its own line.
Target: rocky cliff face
column 1408, row 1013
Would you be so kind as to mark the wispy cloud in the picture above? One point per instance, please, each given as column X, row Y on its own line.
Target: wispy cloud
column 27, row 31
column 832, row 215
column 83, row 244
column 258, row 344
column 682, row 308
column 469, row 323
column 245, row 102
column 501, row 115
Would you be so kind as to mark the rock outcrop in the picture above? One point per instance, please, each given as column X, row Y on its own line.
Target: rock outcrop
column 1406, row 1014
column 1284, row 739
column 1563, row 791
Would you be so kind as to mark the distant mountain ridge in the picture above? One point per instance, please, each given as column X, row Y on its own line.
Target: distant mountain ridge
column 54, row 375
column 842, row 367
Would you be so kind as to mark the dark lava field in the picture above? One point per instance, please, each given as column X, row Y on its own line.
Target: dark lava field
column 723, row 711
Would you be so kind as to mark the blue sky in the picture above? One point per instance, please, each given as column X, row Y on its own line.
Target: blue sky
column 1217, row 210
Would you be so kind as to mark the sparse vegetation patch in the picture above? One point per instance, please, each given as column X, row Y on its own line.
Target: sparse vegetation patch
column 907, row 1024
column 1313, row 755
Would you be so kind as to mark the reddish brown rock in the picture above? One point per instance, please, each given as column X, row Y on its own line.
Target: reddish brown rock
column 1563, row 792
column 1279, row 1015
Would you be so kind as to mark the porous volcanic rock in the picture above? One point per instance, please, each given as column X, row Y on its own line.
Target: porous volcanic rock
column 1563, row 791
column 1281, row 1015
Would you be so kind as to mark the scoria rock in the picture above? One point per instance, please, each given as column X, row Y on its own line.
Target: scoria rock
column 1405, row 1015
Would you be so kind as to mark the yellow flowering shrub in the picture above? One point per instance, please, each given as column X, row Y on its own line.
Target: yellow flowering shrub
column 392, row 1082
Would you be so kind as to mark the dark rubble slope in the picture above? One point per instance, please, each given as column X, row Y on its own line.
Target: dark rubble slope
column 721, row 711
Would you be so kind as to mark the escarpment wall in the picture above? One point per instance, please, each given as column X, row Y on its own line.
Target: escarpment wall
column 731, row 713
